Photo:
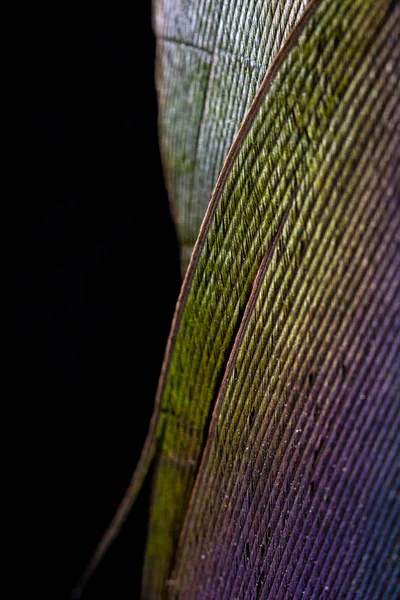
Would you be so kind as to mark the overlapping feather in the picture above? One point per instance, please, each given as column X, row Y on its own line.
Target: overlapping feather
column 275, row 437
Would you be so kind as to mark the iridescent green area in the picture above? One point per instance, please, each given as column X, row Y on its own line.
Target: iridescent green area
column 293, row 199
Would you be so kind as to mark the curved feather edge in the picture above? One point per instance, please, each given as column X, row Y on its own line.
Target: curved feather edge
column 152, row 444
column 211, row 59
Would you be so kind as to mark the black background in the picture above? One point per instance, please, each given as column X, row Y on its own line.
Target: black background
column 92, row 278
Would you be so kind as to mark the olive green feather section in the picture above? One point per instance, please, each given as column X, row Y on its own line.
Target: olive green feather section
column 298, row 491
column 291, row 172
column 212, row 57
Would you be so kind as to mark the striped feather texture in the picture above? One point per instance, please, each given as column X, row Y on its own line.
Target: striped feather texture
column 298, row 491
column 309, row 201
column 212, row 58
column 275, row 437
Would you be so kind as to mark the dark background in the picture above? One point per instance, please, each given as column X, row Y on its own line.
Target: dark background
column 92, row 278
